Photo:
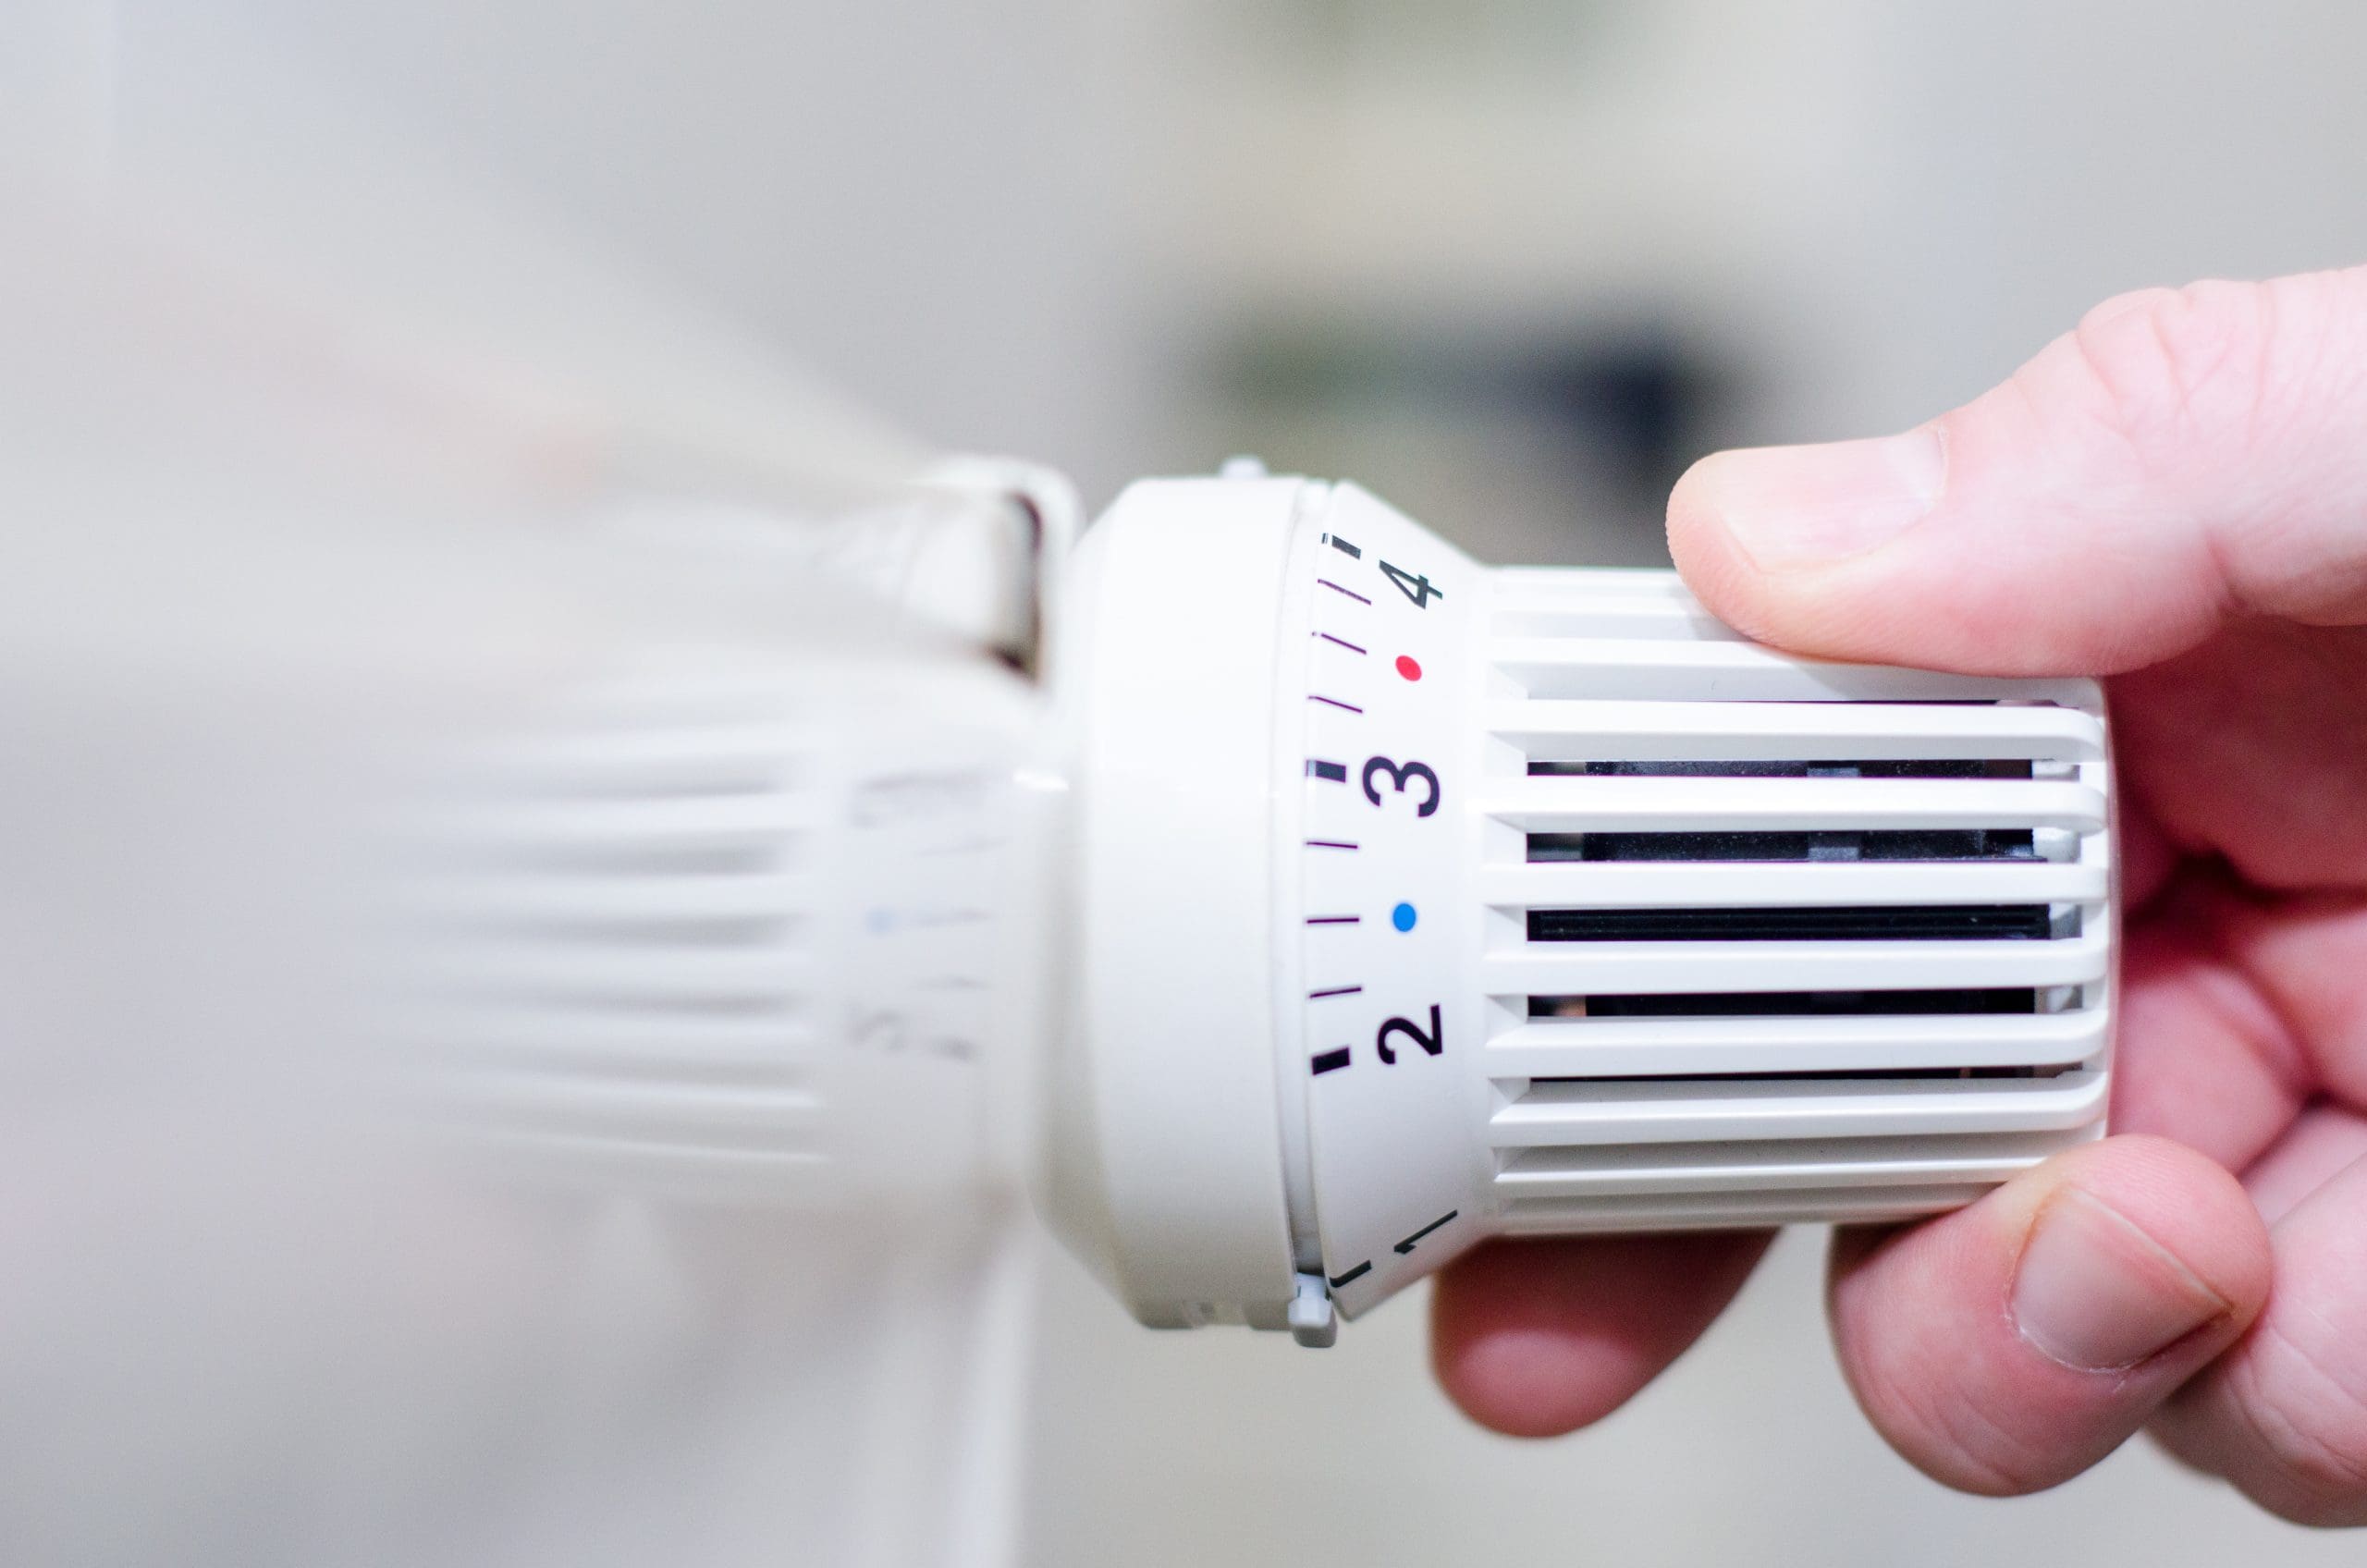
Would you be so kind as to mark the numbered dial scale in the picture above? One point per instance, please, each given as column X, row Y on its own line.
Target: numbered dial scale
column 1419, row 902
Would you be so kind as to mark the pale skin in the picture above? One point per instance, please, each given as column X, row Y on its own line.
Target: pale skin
column 2173, row 496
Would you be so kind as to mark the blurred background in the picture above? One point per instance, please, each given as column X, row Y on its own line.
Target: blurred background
column 1511, row 264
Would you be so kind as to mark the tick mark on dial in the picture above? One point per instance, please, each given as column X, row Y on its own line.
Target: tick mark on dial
column 1344, row 547
column 1343, row 643
column 1334, row 991
column 1335, row 701
column 1335, row 772
column 1327, row 582
column 1328, row 844
column 1334, row 919
column 1358, row 1272
column 1330, row 1061
column 1407, row 1244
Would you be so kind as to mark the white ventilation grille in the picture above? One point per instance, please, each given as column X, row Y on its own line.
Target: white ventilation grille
column 1774, row 940
column 616, row 978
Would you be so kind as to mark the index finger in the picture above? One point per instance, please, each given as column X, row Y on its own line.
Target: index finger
column 2183, row 457
column 1536, row 1338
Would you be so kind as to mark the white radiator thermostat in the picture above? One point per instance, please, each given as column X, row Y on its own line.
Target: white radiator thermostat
column 1420, row 901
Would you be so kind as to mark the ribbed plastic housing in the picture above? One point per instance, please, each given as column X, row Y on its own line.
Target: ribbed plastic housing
column 751, row 931
column 1773, row 940
column 622, row 902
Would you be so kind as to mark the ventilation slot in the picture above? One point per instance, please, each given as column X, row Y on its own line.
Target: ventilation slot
column 1905, row 767
column 1791, row 1004
column 1772, row 940
column 1895, row 922
column 1874, row 844
column 1826, row 1075
column 1844, row 845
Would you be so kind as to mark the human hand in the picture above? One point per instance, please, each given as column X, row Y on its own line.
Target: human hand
column 2175, row 496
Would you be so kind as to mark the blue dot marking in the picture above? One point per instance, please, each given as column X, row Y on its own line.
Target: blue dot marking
column 1403, row 917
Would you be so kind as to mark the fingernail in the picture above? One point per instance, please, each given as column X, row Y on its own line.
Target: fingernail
column 2095, row 1293
column 1810, row 506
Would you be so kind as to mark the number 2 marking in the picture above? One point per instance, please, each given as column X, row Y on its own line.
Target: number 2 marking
column 1432, row 1043
column 1398, row 773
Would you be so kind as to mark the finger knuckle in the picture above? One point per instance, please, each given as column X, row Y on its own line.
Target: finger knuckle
column 2157, row 363
column 2311, row 1427
column 2315, row 1481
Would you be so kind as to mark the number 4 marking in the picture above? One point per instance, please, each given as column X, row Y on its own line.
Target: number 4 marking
column 1417, row 589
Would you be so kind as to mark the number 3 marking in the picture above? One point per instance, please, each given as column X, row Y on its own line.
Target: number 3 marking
column 1398, row 773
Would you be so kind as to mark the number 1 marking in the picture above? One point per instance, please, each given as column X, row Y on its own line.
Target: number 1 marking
column 1407, row 1245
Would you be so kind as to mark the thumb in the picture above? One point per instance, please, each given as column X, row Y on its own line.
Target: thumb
column 2009, row 1346
column 2184, row 457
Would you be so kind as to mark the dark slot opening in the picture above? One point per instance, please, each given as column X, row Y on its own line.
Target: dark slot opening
column 1906, row 767
column 1838, row 1076
column 1848, row 844
column 1892, row 922
column 1790, row 1004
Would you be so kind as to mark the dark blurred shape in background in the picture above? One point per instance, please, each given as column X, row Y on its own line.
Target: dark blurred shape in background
column 1521, row 438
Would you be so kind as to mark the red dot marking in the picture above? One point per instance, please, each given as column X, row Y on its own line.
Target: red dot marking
column 1408, row 669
